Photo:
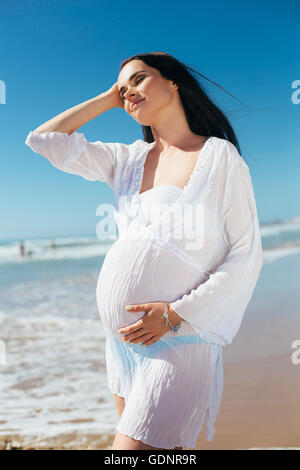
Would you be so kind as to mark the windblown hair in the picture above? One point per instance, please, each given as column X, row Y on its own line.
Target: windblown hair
column 203, row 116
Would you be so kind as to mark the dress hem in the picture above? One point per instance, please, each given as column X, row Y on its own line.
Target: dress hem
column 152, row 443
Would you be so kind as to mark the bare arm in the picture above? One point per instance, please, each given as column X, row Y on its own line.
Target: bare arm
column 69, row 151
column 70, row 120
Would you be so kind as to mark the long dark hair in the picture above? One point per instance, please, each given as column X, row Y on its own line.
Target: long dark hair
column 203, row 116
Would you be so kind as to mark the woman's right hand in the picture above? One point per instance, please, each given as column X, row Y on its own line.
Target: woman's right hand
column 113, row 92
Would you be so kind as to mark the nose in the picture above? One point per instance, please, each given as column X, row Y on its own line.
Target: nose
column 130, row 94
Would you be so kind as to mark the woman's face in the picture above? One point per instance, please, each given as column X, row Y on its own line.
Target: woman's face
column 148, row 85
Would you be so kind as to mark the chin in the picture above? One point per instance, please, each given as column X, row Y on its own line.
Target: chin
column 142, row 120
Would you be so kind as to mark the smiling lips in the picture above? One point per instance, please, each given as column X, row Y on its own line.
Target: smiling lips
column 135, row 104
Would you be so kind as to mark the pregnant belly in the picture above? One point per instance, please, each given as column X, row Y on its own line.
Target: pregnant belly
column 137, row 272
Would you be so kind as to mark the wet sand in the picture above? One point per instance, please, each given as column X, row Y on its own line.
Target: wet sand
column 260, row 406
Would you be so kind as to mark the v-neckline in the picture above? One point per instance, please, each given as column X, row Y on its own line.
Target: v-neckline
column 139, row 173
column 141, row 167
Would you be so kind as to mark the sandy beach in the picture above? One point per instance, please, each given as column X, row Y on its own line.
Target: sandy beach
column 260, row 406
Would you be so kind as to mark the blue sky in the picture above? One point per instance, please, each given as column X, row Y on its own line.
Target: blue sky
column 56, row 54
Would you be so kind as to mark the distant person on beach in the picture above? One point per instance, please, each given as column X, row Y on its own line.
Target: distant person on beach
column 23, row 253
column 21, row 249
column 52, row 245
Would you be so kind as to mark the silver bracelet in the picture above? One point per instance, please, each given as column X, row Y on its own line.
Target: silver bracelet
column 166, row 318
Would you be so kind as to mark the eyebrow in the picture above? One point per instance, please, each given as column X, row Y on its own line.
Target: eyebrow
column 130, row 78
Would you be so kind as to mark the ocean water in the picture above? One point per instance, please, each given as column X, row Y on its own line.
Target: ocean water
column 53, row 386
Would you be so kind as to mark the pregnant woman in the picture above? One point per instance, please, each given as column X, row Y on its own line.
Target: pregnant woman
column 174, row 287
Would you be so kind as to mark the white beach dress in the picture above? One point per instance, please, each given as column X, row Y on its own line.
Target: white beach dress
column 174, row 385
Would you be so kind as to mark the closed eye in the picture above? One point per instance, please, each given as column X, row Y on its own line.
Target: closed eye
column 137, row 81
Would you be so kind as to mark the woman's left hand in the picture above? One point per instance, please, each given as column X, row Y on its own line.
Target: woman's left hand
column 150, row 327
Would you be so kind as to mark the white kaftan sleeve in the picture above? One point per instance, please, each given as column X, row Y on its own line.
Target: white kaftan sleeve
column 218, row 304
column 72, row 153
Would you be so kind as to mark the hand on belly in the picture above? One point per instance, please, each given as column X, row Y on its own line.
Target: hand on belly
column 151, row 326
